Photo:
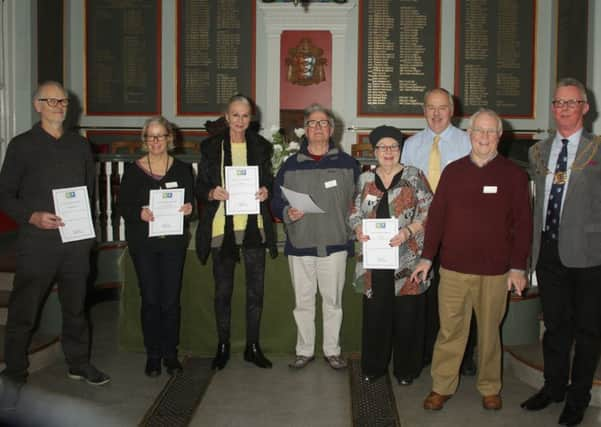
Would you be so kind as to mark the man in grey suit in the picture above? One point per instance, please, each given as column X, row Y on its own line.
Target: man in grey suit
column 566, row 251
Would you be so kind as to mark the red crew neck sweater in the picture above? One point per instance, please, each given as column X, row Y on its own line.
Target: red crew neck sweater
column 480, row 218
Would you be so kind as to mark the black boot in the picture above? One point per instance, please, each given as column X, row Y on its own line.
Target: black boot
column 173, row 366
column 222, row 356
column 153, row 367
column 254, row 355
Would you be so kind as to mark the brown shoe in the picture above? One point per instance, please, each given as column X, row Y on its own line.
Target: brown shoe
column 492, row 402
column 435, row 401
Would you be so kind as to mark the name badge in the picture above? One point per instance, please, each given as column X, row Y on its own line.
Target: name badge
column 330, row 184
column 489, row 189
column 172, row 184
column 371, row 200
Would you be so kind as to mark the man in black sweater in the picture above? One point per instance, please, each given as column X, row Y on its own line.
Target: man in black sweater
column 38, row 161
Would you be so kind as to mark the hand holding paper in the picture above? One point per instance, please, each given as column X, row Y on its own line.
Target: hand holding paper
column 377, row 251
column 301, row 201
column 165, row 208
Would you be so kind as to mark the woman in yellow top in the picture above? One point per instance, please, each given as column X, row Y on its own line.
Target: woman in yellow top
column 225, row 237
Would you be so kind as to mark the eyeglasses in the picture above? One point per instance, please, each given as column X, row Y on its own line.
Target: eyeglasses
column 150, row 138
column 314, row 123
column 570, row 103
column 53, row 102
column 487, row 132
column 393, row 148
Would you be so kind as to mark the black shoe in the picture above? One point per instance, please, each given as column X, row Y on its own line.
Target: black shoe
column 222, row 356
column 571, row 415
column 404, row 381
column 153, row 367
column 173, row 366
column 539, row 401
column 90, row 374
column 468, row 367
column 10, row 392
column 372, row 378
column 254, row 355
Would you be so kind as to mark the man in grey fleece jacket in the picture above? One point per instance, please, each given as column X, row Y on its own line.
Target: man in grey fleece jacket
column 317, row 245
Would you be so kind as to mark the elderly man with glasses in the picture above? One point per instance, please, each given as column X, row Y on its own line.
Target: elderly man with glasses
column 481, row 220
column 38, row 161
column 317, row 244
column 566, row 252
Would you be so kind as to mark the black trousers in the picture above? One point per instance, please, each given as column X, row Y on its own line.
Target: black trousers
column 571, row 300
column 223, row 274
column 392, row 325
column 432, row 320
column 39, row 265
column 160, row 282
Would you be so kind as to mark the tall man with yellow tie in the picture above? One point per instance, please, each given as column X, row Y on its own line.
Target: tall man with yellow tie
column 431, row 150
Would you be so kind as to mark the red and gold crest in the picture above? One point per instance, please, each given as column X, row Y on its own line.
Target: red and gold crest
column 305, row 64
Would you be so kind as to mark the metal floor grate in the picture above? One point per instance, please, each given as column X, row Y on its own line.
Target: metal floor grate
column 177, row 402
column 373, row 404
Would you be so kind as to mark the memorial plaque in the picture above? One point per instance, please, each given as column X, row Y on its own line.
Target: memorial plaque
column 572, row 43
column 50, row 40
column 398, row 55
column 123, row 57
column 495, row 56
column 215, row 54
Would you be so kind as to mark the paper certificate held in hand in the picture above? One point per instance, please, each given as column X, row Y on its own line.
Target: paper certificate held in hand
column 377, row 252
column 301, row 201
column 72, row 205
column 165, row 206
column 242, row 184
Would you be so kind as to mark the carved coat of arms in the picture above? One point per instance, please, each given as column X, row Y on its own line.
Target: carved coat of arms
column 305, row 64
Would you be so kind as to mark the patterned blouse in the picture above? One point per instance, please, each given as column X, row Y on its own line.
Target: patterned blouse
column 409, row 199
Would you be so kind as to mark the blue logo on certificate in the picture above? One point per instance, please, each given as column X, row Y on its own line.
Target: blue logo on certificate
column 168, row 195
column 241, row 172
column 70, row 194
column 381, row 225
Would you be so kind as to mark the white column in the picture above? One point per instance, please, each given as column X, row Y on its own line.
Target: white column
column 108, row 168
column 18, row 24
column 594, row 58
column 120, row 170
column 97, row 216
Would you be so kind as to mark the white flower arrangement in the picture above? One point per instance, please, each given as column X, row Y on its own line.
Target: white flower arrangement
column 282, row 148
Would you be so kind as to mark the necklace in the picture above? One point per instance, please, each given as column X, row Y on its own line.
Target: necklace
column 166, row 165
column 582, row 159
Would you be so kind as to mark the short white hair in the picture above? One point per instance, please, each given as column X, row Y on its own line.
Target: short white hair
column 491, row 113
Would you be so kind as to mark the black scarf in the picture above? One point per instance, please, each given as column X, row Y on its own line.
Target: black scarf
column 252, row 236
column 383, row 210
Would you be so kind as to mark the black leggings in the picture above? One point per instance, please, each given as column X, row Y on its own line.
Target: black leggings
column 223, row 274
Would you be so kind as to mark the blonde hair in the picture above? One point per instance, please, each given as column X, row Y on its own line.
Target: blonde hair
column 162, row 121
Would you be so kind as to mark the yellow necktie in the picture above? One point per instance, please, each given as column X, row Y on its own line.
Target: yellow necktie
column 434, row 164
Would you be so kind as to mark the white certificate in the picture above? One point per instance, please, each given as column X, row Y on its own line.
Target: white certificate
column 301, row 201
column 377, row 252
column 242, row 184
column 72, row 205
column 165, row 206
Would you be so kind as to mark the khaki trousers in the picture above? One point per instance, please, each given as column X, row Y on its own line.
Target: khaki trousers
column 308, row 274
column 457, row 295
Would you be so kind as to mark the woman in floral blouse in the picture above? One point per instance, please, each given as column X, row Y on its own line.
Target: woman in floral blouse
column 393, row 306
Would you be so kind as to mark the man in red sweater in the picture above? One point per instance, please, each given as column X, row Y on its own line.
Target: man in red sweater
column 480, row 220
